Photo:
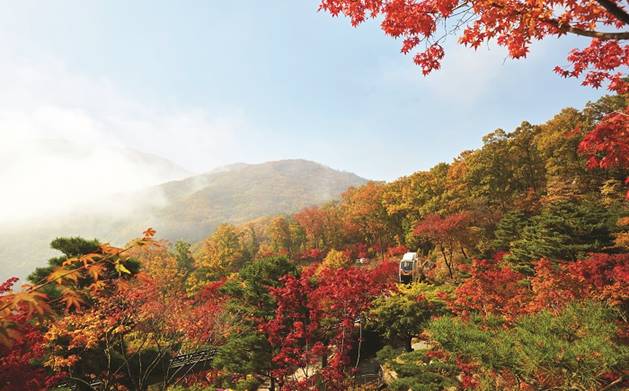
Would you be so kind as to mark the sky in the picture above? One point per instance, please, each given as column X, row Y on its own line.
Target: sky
column 208, row 83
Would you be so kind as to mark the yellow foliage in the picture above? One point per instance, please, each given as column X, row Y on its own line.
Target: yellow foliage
column 222, row 251
column 335, row 260
column 622, row 238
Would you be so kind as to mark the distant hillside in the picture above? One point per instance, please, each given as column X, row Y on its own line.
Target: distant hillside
column 243, row 192
column 186, row 209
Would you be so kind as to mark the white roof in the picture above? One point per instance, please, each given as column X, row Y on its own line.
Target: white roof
column 409, row 256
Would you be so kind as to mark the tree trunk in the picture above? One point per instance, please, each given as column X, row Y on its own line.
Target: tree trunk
column 463, row 251
column 445, row 259
column 360, row 342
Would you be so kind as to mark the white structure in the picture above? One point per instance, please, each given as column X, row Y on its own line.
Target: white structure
column 408, row 268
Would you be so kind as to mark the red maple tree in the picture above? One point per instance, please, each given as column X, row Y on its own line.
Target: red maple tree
column 514, row 24
column 491, row 289
column 448, row 233
column 495, row 289
column 315, row 323
column 607, row 145
column 600, row 277
column 18, row 360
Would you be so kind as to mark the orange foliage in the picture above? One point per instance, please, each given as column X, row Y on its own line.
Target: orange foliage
column 66, row 277
column 495, row 289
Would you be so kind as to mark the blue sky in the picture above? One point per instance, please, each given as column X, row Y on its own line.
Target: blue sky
column 207, row 83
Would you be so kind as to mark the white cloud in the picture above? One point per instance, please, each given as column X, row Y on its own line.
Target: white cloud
column 64, row 139
column 467, row 75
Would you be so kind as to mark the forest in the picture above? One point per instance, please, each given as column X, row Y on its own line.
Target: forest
column 523, row 247
column 524, row 284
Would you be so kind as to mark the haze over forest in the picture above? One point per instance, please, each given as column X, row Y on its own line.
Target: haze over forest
column 183, row 207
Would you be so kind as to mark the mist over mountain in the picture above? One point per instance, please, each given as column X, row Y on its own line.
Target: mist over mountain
column 47, row 177
column 187, row 209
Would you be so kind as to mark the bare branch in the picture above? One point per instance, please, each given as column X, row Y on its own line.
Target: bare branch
column 615, row 10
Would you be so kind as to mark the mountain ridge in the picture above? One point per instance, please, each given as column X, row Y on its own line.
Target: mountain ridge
column 260, row 187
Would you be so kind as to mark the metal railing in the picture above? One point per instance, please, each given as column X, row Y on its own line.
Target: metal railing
column 176, row 363
column 192, row 358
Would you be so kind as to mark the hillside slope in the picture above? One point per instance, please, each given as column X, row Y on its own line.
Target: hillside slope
column 187, row 209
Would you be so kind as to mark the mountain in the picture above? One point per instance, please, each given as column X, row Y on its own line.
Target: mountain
column 241, row 192
column 187, row 209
